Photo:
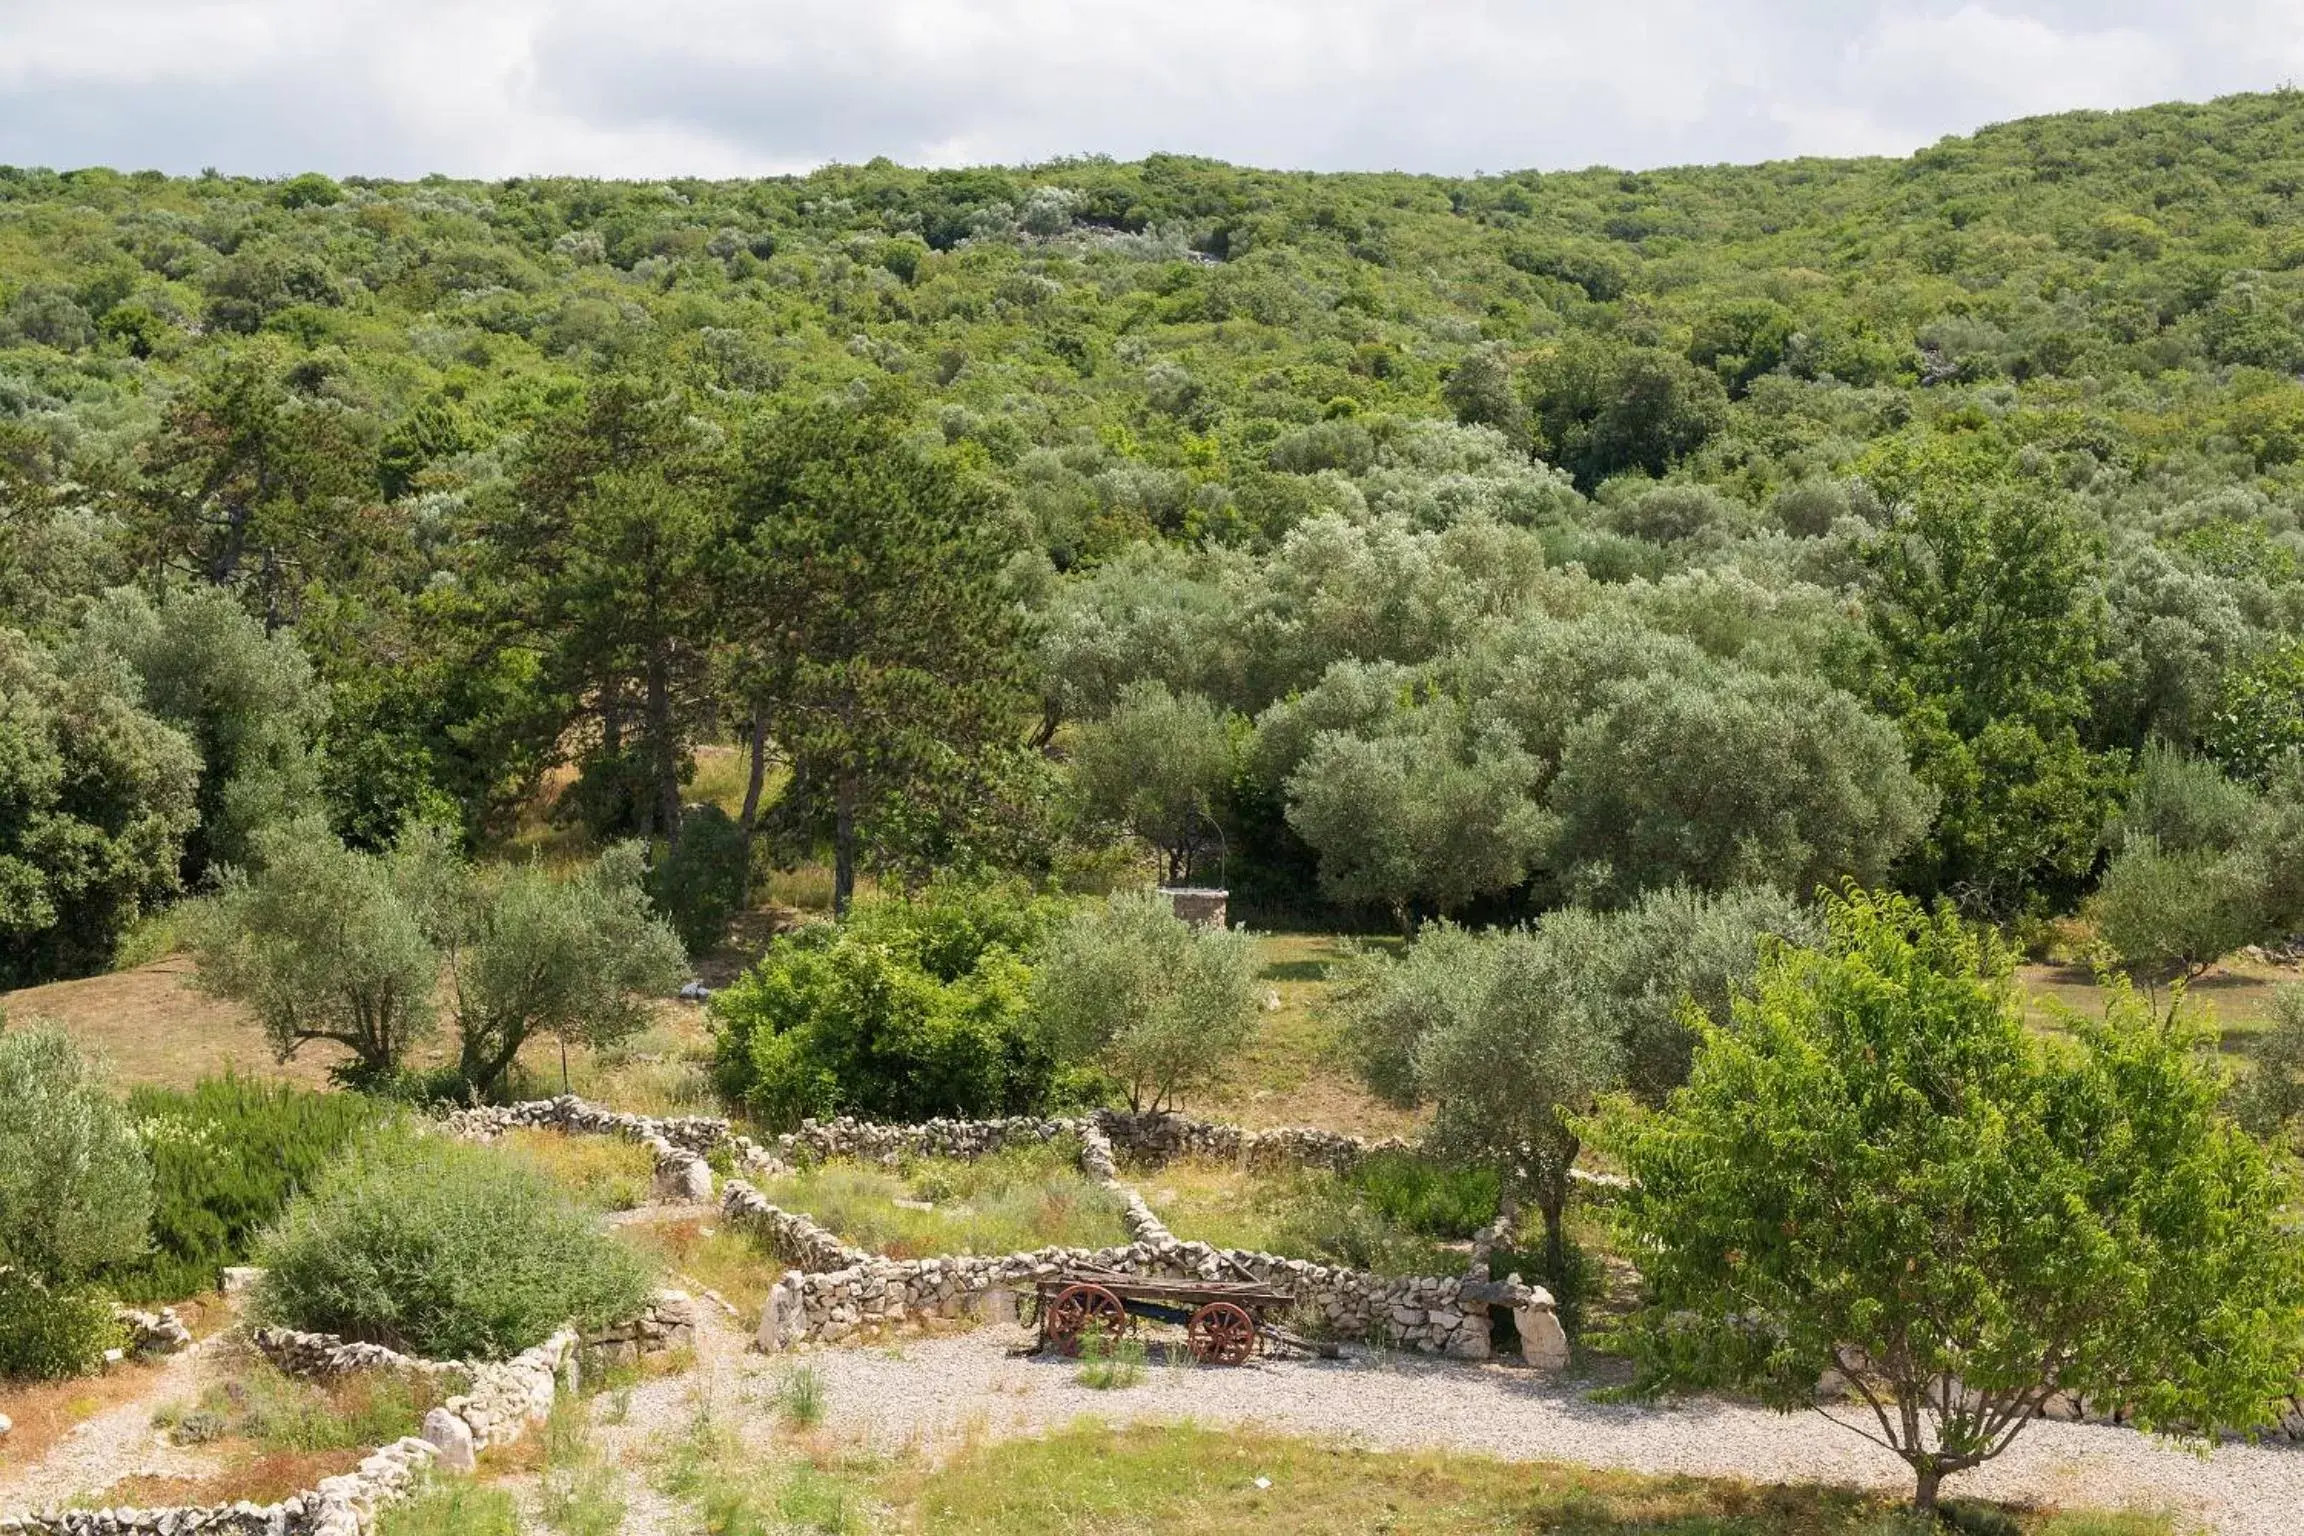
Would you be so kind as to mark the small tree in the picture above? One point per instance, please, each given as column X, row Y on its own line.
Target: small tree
column 75, row 1189
column 1158, row 1002
column 2177, row 913
column 322, row 943
column 2270, row 1100
column 577, row 959
column 1877, row 1172
column 1509, row 1077
column 1158, row 765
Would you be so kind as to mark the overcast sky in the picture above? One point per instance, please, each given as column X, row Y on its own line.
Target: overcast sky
column 726, row 87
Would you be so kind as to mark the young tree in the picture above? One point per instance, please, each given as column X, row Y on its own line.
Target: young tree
column 576, row 958
column 96, row 800
column 1158, row 765
column 2176, row 914
column 1160, row 1003
column 882, row 645
column 322, row 943
column 75, row 1187
column 1509, row 1078
column 2270, row 1099
column 1877, row 1172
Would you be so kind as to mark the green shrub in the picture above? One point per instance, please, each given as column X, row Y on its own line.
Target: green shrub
column 699, row 885
column 443, row 1250
column 907, row 1010
column 1424, row 1195
column 75, row 1190
column 281, row 1413
column 49, row 1335
column 226, row 1157
column 452, row 1507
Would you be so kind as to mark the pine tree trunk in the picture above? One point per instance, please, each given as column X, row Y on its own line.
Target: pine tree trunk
column 748, row 823
column 664, row 758
column 844, row 845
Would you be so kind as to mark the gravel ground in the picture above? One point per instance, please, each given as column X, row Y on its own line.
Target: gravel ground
column 928, row 1392
column 115, row 1444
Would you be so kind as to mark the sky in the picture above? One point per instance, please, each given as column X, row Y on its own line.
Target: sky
column 652, row 88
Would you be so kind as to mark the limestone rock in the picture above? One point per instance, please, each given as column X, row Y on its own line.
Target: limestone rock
column 452, row 1437
column 1543, row 1342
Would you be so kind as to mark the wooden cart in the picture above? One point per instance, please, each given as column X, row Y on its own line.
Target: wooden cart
column 1224, row 1321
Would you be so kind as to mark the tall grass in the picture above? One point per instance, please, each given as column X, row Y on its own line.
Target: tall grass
column 1024, row 1197
column 1298, row 1213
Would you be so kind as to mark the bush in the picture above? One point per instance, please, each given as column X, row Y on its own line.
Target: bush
column 699, row 885
column 75, row 1191
column 49, row 1336
column 907, row 1010
column 227, row 1156
column 443, row 1250
column 1427, row 1196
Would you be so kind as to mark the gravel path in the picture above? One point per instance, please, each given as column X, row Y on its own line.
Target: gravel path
column 115, row 1444
column 930, row 1391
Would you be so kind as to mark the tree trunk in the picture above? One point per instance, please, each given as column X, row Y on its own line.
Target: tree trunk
column 1928, row 1479
column 749, row 821
column 844, row 845
column 662, row 749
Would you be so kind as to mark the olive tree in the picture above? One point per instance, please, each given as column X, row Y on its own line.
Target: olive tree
column 324, row 943
column 1158, row 1002
column 1427, row 813
column 1158, row 765
column 1510, row 1075
column 1877, row 1172
column 75, row 1187
column 577, row 958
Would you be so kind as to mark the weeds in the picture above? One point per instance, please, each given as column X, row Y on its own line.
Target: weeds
column 578, row 1495
column 451, row 1507
column 800, row 1397
column 1107, row 1363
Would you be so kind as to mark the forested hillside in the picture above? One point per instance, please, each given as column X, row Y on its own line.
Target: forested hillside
column 1386, row 544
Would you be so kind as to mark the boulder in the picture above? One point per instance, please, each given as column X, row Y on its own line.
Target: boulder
column 1543, row 1342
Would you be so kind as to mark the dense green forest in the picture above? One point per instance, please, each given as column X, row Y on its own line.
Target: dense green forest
column 1385, row 546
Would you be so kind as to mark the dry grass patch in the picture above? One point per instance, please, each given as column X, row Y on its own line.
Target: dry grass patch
column 1020, row 1198
column 45, row 1412
column 1185, row 1481
column 1296, row 1213
column 699, row 1251
column 605, row 1173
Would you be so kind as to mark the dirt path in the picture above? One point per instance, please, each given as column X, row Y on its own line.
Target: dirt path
column 930, row 1392
column 115, row 1444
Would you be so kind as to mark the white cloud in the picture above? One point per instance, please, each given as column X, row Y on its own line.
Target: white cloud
column 714, row 87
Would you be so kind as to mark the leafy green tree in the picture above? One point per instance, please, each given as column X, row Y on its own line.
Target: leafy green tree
column 96, row 800
column 1986, row 637
column 2177, row 913
column 618, row 544
column 322, row 943
column 1423, row 813
column 1877, row 1172
column 254, row 481
column 1159, row 1003
column 1509, row 1078
column 1746, row 779
column 1159, row 765
column 884, row 648
column 1480, row 392
column 2269, row 1100
column 1682, row 956
column 581, row 959
column 1386, row 1005
column 1602, row 408
column 75, row 1187
column 2258, row 721
column 247, row 700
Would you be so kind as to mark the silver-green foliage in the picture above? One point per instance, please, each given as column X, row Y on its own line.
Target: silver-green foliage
column 75, row 1186
column 1159, row 1003
column 1159, row 766
column 444, row 1250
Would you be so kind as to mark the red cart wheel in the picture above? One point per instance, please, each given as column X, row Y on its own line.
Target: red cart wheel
column 1221, row 1333
column 1076, row 1309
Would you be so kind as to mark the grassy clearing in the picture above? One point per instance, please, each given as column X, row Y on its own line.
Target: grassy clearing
column 697, row 1251
column 2238, row 994
column 603, row 1173
column 1025, row 1197
column 737, row 1489
column 1186, row 1481
column 1299, row 1214
column 1290, row 1073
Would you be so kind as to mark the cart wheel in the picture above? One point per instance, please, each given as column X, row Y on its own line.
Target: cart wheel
column 1076, row 1309
column 1221, row 1333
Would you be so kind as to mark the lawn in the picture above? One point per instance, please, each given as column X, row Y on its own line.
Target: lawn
column 1185, row 1481
column 1021, row 1198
